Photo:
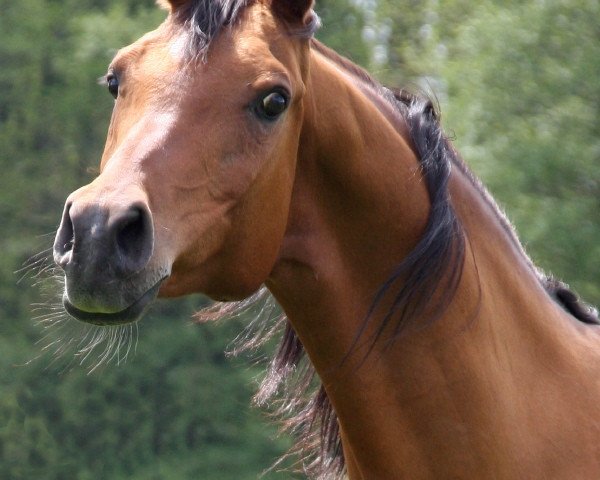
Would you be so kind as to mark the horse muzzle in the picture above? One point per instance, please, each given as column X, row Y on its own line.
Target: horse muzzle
column 104, row 245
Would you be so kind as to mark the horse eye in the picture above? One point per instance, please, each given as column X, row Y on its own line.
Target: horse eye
column 272, row 105
column 113, row 84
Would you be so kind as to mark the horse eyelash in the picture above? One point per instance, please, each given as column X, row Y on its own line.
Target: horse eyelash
column 103, row 80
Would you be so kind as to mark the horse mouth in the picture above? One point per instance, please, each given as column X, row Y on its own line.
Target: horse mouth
column 130, row 314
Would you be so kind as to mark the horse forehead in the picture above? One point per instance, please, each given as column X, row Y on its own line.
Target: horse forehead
column 148, row 43
column 255, row 43
column 260, row 42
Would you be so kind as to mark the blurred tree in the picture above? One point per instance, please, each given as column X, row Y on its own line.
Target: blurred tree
column 519, row 91
column 525, row 106
column 343, row 23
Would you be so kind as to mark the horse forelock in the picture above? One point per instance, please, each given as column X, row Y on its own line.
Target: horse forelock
column 204, row 19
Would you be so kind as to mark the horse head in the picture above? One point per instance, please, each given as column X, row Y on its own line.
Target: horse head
column 197, row 172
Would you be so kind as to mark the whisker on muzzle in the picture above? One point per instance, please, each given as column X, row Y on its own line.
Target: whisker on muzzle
column 65, row 340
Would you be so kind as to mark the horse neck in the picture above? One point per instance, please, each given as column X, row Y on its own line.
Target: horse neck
column 442, row 398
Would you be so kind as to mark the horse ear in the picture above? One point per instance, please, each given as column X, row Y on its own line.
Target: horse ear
column 171, row 5
column 294, row 11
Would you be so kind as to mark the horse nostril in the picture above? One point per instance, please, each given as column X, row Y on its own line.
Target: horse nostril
column 134, row 239
column 130, row 231
column 108, row 238
column 65, row 239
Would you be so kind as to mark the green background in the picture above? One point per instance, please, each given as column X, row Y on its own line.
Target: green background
column 517, row 83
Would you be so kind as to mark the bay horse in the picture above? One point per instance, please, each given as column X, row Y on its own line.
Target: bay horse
column 242, row 152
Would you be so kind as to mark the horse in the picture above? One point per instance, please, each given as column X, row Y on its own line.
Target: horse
column 243, row 154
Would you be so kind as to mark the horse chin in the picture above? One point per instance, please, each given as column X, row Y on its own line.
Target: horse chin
column 212, row 280
column 127, row 315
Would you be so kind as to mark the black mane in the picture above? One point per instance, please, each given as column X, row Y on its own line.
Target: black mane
column 569, row 300
column 204, row 19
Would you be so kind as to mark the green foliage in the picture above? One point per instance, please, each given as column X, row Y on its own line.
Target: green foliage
column 518, row 86
column 342, row 26
column 177, row 409
column 532, row 98
column 517, row 82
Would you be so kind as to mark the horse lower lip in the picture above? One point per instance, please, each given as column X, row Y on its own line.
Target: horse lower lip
column 128, row 315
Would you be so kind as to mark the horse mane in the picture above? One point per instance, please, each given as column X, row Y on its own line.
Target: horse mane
column 558, row 290
column 421, row 287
